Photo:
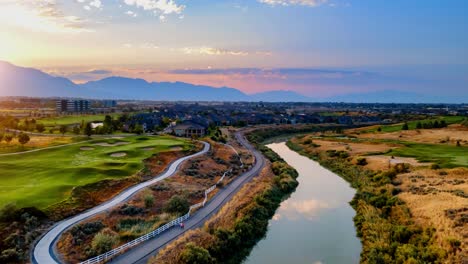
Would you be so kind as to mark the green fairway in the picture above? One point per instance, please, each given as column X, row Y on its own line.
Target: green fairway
column 444, row 155
column 46, row 177
column 73, row 119
column 412, row 124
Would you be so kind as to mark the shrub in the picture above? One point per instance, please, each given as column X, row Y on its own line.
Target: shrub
column 177, row 204
column 149, row 200
column 104, row 241
column 196, row 255
column 435, row 166
column 361, row 161
column 8, row 213
column 130, row 210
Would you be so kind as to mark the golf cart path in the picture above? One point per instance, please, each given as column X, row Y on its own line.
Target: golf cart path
column 43, row 252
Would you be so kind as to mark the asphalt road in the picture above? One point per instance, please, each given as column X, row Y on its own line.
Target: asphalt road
column 141, row 253
column 44, row 253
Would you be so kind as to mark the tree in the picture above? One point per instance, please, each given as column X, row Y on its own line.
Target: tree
column 177, row 204
column 63, row 129
column 418, row 125
column 23, row 138
column 138, row 129
column 88, row 130
column 379, row 129
column 76, row 130
column 443, row 124
column 405, row 126
column 8, row 138
column 40, row 128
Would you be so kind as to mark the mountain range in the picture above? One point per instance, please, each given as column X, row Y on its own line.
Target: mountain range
column 19, row 81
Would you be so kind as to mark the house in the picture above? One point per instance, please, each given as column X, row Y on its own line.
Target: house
column 189, row 129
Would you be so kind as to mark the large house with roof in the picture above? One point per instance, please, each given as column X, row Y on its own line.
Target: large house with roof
column 189, row 129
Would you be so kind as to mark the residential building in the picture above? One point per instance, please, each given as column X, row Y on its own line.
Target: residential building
column 189, row 129
column 72, row 106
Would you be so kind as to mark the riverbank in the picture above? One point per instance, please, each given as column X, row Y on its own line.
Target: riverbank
column 315, row 224
column 229, row 236
column 383, row 221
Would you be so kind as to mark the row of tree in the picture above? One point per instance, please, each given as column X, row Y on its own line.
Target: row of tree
column 427, row 125
column 22, row 138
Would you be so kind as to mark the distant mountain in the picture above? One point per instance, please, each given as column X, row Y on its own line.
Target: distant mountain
column 394, row 96
column 19, row 81
column 126, row 88
column 280, row 96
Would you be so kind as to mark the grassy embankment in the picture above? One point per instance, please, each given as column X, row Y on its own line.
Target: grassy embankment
column 384, row 222
column 231, row 234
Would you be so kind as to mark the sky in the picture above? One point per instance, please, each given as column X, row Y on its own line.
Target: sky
column 318, row 48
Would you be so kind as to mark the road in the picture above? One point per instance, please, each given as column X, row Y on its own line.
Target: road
column 44, row 252
column 141, row 253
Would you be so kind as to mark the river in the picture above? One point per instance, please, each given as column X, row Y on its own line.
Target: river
column 314, row 225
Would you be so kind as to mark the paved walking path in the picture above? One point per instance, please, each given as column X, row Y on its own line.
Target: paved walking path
column 141, row 253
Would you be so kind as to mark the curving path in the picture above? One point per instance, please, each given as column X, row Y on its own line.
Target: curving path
column 141, row 253
column 43, row 252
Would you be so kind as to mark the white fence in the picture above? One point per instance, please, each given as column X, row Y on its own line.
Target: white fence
column 116, row 251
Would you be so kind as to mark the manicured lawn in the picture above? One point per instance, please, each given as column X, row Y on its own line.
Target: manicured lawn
column 412, row 124
column 46, row 177
column 445, row 155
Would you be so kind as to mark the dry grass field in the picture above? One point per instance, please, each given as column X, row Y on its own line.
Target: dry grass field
column 449, row 135
column 436, row 197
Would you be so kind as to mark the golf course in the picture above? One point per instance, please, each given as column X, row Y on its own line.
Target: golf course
column 46, row 177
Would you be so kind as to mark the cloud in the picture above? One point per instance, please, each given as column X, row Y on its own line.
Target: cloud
column 308, row 209
column 158, row 7
column 205, row 50
column 131, row 13
column 99, row 72
column 311, row 3
column 40, row 16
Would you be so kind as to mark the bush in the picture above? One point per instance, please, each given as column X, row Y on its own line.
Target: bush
column 149, row 200
column 130, row 210
column 177, row 204
column 361, row 161
column 9, row 213
column 196, row 255
column 104, row 241
column 435, row 166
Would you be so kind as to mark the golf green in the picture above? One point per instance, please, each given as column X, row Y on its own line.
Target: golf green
column 46, row 177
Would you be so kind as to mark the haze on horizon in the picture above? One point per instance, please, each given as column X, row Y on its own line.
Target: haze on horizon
column 315, row 47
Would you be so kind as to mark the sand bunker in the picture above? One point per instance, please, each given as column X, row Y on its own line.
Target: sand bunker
column 105, row 144
column 176, row 148
column 118, row 154
column 86, row 148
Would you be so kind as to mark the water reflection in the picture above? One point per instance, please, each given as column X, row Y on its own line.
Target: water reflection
column 315, row 224
column 301, row 209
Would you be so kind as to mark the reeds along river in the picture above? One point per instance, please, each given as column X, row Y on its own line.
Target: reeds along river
column 315, row 225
